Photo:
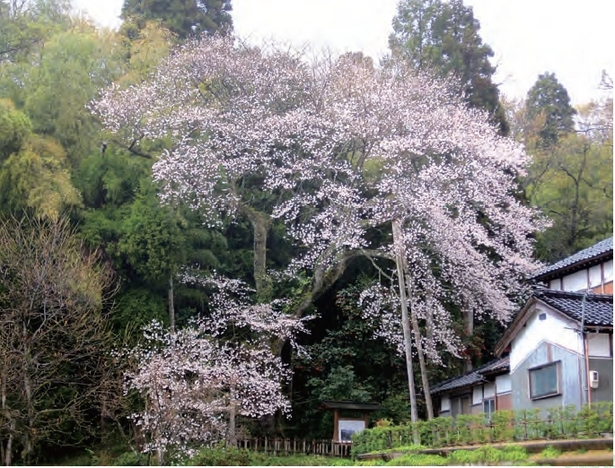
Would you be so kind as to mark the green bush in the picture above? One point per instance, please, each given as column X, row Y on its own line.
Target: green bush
column 417, row 459
column 128, row 459
column 505, row 426
column 487, row 455
column 222, row 456
column 550, row 452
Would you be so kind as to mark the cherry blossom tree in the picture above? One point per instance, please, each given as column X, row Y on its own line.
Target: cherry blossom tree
column 197, row 380
column 343, row 149
column 255, row 133
column 446, row 185
column 442, row 181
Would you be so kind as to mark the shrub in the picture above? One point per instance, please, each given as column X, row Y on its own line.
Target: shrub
column 417, row 459
column 505, row 426
column 128, row 459
column 550, row 452
column 488, row 455
column 222, row 456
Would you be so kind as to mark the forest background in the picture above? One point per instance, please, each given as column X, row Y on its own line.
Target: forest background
column 89, row 255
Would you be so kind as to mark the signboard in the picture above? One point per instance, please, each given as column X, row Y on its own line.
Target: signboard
column 347, row 427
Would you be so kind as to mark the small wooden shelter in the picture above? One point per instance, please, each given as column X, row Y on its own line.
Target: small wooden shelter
column 349, row 417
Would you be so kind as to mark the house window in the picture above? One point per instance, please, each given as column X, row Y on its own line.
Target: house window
column 488, row 408
column 544, row 381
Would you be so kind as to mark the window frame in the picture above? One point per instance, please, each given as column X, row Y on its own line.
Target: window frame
column 557, row 366
column 491, row 407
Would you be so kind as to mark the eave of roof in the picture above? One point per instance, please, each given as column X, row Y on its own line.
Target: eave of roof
column 598, row 311
column 350, row 405
column 592, row 309
column 473, row 377
column 593, row 255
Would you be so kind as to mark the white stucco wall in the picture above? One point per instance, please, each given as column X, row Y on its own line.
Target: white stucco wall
column 608, row 271
column 576, row 281
column 595, row 276
column 555, row 329
column 502, row 384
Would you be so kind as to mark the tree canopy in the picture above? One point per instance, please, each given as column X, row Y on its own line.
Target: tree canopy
column 185, row 18
column 444, row 37
column 548, row 101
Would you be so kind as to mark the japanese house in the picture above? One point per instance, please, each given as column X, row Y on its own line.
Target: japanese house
column 557, row 351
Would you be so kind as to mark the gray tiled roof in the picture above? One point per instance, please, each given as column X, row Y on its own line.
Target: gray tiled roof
column 598, row 307
column 578, row 258
column 473, row 377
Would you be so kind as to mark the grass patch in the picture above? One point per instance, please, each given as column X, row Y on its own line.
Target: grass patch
column 550, row 452
column 230, row 456
column 418, row 459
column 488, row 455
column 404, row 448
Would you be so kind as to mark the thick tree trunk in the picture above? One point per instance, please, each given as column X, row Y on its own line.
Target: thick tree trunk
column 468, row 319
column 261, row 222
column 398, row 245
column 171, row 293
column 232, row 430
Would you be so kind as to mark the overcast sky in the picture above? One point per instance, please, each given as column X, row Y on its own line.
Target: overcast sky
column 571, row 38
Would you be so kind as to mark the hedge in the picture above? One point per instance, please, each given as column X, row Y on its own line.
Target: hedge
column 504, row 426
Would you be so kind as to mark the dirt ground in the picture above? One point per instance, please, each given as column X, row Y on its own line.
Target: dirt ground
column 576, row 458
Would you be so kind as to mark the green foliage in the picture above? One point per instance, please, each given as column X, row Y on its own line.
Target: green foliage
column 506, row 426
column 347, row 363
column 444, row 37
column 147, row 48
column 14, row 129
column 38, row 178
column 549, row 100
column 73, row 67
column 418, row 459
column 339, row 384
column 550, row 452
column 184, row 18
column 112, row 180
column 24, row 25
column 151, row 240
column 230, row 456
column 488, row 455
column 221, row 456
column 572, row 183
column 136, row 307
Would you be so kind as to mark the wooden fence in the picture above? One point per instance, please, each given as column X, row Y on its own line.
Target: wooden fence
column 278, row 446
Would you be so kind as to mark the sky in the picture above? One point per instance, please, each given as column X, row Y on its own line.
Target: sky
column 571, row 38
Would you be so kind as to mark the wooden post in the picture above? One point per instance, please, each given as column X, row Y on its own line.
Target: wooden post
column 336, row 424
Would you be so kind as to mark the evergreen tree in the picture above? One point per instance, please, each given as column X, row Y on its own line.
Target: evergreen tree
column 183, row 17
column 443, row 37
column 548, row 100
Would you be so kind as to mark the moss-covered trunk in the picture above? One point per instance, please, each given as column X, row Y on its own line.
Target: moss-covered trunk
column 261, row 223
